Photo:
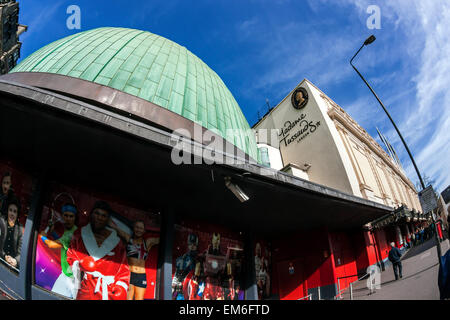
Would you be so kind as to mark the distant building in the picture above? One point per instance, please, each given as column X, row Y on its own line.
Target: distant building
column 446, row 195
column 10, row 30
column 444, row 205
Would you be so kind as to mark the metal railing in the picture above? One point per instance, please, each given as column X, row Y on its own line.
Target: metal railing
column 8, row 265
column 371, row 284
column 308, row 297
column 338, row 296
column 10, row 293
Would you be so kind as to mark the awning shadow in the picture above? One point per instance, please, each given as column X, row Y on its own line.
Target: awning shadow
column 419, row 249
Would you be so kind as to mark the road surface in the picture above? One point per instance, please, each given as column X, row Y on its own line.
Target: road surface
column 419, row 282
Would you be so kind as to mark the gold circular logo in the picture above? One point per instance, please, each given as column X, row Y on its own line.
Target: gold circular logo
column 299, row 98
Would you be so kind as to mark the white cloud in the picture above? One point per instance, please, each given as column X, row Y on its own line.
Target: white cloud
column 424, row 123
column 246, row 28
column 293, row 51
column 38, row 19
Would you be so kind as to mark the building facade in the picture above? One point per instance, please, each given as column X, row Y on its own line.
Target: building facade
column 354, row 163
column 97, row 116
column 10, row 30
column 309, row 136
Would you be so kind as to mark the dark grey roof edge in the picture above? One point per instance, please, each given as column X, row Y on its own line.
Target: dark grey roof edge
column 148, row 132
column 285, row 178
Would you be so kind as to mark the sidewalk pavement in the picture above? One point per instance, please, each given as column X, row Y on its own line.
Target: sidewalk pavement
column 420, row 277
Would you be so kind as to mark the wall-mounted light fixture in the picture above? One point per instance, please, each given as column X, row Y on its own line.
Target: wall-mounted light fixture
column 236, row 190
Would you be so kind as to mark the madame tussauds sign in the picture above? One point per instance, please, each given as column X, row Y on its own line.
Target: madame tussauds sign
column 297, row 130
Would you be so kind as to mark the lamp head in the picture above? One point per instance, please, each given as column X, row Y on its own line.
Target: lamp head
column 369, row 40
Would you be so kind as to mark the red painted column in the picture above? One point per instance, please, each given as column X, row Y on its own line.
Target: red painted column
column 370, row 248
column 439, row 229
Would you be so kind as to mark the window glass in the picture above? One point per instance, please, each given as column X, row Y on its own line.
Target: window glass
column 263, row 268
column 208, row 263
column 264, row 154
column 15, row 197
column 10, row 62
column 93, row 246
column 16, row 56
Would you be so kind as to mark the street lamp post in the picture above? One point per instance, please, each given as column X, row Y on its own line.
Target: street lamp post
column 366, row 43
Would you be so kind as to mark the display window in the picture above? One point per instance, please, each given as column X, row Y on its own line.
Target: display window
column 15, row 199
column 93, row 246
column 208, row 263
column 263, row 268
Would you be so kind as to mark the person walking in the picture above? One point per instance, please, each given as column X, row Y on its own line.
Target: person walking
column 444, row 277
column 421, row 232
column 394, row 258
column 448, row 222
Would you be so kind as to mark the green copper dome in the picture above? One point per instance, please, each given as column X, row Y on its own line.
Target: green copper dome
column 150, row 67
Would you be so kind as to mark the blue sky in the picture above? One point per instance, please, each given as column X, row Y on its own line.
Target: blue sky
column 263, row 49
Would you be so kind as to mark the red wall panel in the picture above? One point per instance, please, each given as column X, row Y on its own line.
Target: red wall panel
column 325, row 256
column 293, row 284
column 312, row 253
column 382, row 241
column 344, row 258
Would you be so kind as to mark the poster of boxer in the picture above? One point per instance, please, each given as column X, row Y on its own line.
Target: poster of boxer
column 93, row 247
column 207, row 263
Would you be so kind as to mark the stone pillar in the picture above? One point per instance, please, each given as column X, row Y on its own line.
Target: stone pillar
column 251, row 289
column 31, row 226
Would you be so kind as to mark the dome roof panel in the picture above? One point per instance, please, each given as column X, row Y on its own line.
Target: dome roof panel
column 151, row 67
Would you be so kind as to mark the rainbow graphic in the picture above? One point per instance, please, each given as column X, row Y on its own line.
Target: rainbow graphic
column 48, row 265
